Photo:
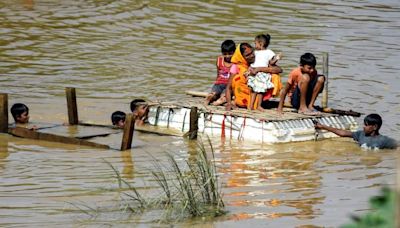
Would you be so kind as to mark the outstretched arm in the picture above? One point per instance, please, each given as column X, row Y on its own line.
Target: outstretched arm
column 340, row 132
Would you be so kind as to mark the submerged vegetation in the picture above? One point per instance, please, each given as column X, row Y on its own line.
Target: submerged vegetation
column 186, row 189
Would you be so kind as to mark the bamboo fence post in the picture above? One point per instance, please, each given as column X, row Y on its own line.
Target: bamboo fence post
column 325, row 62
column 71, row 105
column 128, row 132
column 3, row 113
column 194, row 123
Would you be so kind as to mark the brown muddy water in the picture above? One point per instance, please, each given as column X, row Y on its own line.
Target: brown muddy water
column 114, row 51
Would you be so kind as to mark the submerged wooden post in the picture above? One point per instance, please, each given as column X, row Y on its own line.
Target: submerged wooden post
column 194, row 123
column 325, row 62
column 3, row 113
column 128, row 132
column 71, row 105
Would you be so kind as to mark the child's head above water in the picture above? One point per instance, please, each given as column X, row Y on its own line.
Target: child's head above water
column 139, row 107
column 262, row 41
column 118, row 119
column 227, row 49
column 372, row 122
column 20, row 113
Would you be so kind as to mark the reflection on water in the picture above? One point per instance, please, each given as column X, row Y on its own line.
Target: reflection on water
column 289, row 184
column 114, row 51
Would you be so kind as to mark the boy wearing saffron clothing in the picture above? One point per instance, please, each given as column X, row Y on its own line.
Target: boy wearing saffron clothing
column 303, row 86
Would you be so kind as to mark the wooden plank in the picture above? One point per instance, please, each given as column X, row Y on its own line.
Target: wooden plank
column 146, row 129
column 194, row 123
column 196, row 93
column 71, row 105
column 325, row 61
column 78, row 131
column 31, row 134
column 3, row 112
column 128, row 132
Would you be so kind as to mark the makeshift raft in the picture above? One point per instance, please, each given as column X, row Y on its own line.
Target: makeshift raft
column 241, row 124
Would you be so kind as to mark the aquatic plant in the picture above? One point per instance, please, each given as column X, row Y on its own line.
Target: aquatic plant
column 186, row 189
column 382, row 214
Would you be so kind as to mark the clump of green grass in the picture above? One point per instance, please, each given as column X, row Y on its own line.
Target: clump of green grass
column 188, row 189
column 382, row 214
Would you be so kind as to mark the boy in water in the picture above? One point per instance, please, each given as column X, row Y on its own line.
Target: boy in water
column 224, row 70
column 20, row 113
column 368, row 137
column 118, row 119
column 140, row 111
column 303, row 85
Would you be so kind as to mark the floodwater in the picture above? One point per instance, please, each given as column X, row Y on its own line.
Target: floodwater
column 114, row 51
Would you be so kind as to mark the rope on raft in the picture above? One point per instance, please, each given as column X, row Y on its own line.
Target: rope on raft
column 157, row 115
column 184, row 120
column 171, row 110
column 240, row 136
column 231, row 126
column 223, row 127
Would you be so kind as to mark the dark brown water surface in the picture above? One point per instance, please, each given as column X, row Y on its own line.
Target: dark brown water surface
column 114, row 51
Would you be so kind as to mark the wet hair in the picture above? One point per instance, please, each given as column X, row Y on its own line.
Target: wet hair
column 228, row 46
column 264, row 39
column 117, row 116
column 243, row 47
column 135, row 103
column 308, row 59
column 373, row 119
column 17, row 109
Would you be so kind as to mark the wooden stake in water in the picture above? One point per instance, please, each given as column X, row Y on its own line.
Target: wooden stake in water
column 194, row 123
column 325, row 62
column 71, row 105
column 128, row 132
column 3, row 113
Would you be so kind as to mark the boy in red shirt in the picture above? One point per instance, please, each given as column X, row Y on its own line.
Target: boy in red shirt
column 303, row 86
column 224, row 69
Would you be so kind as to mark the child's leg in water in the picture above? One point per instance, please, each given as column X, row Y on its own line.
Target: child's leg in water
column 259, row 100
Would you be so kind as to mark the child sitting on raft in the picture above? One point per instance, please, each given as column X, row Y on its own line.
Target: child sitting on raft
column 224, row 69
column 303, row 86
column 261, row 82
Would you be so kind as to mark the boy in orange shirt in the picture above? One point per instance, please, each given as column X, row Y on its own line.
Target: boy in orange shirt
column 303, row 86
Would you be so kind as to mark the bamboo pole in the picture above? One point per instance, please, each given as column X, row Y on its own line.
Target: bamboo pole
column 196, row 93
column 325, row 62
column 194, row 123
column 71, row 105
column 3, row 113
column 128, row 132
